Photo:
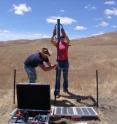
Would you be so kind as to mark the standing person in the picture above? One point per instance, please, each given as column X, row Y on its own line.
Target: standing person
column 37, row 59
column 62, row 61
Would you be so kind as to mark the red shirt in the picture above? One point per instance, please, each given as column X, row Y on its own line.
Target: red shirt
column 62, row 49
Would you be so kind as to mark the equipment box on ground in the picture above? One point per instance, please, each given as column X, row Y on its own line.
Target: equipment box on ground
column 33, row 104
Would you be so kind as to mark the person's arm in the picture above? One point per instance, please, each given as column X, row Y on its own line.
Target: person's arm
column 67, row 39
column 53, row 41
column 43, row 67
column 48, row 63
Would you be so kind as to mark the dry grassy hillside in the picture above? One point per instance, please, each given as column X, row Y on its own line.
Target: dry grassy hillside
column 85, row 56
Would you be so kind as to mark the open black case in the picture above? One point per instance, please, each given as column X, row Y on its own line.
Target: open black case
column 33, row 104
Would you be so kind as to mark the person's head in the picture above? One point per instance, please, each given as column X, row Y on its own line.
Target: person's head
column 46, row 52
column 62, row 38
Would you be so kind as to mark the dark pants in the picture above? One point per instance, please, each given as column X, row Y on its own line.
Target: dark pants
column 31, row 72
column 61, row 66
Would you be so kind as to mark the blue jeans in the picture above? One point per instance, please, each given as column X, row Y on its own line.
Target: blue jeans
column 31, row 72
column 61, row 66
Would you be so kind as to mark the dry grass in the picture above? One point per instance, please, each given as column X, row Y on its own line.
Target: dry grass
column 85, row 57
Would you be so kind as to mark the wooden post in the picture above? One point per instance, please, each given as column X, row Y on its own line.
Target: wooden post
column 14, row 86
column 97, row 88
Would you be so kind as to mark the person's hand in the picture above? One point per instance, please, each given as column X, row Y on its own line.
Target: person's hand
column 54, row 66
column 54, row 32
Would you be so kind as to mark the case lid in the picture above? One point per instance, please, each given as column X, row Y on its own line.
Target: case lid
column 33, row 96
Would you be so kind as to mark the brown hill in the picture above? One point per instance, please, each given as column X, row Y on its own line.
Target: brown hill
column 85, row 55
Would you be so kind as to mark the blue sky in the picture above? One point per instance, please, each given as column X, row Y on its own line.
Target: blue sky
column 33, row 19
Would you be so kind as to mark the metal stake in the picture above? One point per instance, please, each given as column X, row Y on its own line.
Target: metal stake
column 97, row 87
column 14, row 86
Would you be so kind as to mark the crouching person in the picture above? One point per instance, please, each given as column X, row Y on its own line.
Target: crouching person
column 38, row 59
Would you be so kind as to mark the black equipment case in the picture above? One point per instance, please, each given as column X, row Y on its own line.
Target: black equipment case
column 33, row 104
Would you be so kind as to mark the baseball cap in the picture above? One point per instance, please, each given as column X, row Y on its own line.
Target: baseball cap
column 46, row 51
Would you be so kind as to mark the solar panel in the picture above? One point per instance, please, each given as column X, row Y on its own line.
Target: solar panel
column 64, row 111
column 70, row 111
column 58, row 111
column 75, row 111
column 91, row 111
column 85, row 111
column 79, row 111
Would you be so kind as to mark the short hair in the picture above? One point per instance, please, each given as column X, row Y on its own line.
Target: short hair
column 62, row 37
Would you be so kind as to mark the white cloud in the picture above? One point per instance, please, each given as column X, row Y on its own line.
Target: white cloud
column 98, row 19
column 63, row 20
column 104, row 24
column 62, row 10
column 80, row 28
column 98, row 33
column 90, row 7
column 114, row 26
column 2, row 31
column 110, row 12
column 4, row 35
column 6, row 31
column 21, row 9
column 109, row 17
column 39, row 35
column 109, row 2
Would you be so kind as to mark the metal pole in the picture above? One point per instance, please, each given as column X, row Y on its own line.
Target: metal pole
column 14, row 86
column 58, row 36
column 55, row 99
column 58, row 30
column 58, row 40
column 97, row 87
